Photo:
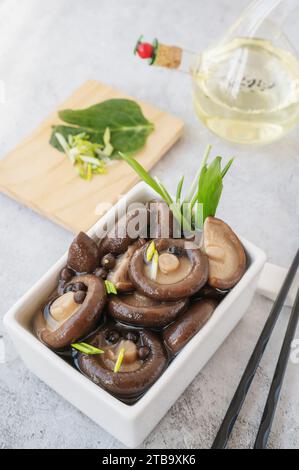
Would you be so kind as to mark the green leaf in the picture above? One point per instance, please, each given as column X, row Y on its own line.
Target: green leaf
column 143, row 174
column 119, row 360
column 174, row 207
column 194, row 184
column 206, row 190
column 110, row 287
column 158, row 187
column 87, row 348
column 210, row 187
column 128, row 127
column 151, row 249
column 163, row 191
column 179, row 190
column 226, row 168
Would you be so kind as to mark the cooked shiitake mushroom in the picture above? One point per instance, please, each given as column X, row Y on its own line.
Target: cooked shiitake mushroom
column 227, row 258
column 151, row 280
column 177, row 335
column 122, row 235
column 119, row 274
column 144, row 359
column 84, row 255
column 72, row 315
column 139, row 310
column 179, row 275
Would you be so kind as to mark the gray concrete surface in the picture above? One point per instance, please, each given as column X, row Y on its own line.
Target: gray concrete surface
column 49, row 48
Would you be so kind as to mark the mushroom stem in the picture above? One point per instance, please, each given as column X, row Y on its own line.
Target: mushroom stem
column 130, row 351
column 168, row 263
column 64, row 307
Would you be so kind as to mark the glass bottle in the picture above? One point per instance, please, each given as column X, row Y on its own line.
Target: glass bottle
column 246, row 87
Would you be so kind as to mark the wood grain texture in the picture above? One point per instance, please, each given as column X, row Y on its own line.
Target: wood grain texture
column 42, row 178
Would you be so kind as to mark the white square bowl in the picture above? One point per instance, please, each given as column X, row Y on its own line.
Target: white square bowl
column 131, row 424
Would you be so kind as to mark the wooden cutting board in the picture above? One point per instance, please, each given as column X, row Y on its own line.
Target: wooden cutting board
column 42, row 178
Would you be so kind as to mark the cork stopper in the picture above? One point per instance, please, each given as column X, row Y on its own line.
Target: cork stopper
column 168, row 56
column 159, row 54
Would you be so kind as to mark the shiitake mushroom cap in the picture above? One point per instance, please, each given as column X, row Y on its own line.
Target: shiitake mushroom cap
column 118, row 239
column 153, row 315
column 194, row 280
column 125, row 384
column 119, row 274
column 83, row 254
column 179, row 333
column 226, row 255
column 81, row 323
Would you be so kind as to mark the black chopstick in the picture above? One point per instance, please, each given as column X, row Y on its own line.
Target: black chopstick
column 247, row 377
column 273, row 396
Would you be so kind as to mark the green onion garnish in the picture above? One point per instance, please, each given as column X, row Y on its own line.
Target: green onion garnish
column 179, row 190
column 88, row 158
column 203, row 196
column 150, row 251
column 87, row 348
column 110, row 287
column 119, row 360
column 154, row 266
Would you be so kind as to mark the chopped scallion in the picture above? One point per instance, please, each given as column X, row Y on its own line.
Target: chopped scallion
column 88, row 157
column 87, row 348
column 119, row 360
column 110, row 287
column 154, row 266
column 150, row 251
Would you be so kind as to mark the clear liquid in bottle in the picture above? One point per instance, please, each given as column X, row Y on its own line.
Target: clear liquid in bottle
column 247, row 90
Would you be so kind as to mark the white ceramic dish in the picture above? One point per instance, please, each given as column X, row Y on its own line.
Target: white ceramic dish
column 129, row 424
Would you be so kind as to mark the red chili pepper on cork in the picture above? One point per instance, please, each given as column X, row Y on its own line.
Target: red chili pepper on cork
column 146, row 50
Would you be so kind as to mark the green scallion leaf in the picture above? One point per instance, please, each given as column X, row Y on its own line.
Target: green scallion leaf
column 119, row 360
column 62, row 141
column 210, row 188
column 87, row 348
column 179, row 190
column 163, row 191
column 205, row 191
column 154, row 266
column 110, row 287
column 194, row 184
column 143, row 174
column 226, row 168
column 150, row 251
column 87, row 157
column 89, row 172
